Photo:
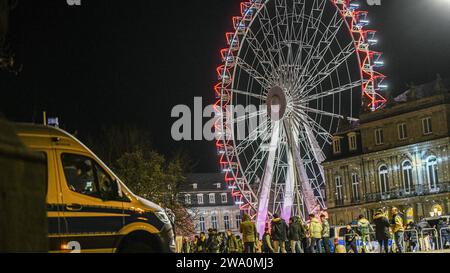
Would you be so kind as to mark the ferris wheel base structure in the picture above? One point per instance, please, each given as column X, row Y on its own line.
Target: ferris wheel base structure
column 312, row 67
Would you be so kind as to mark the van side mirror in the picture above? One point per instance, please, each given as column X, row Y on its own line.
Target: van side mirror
column 111, row 193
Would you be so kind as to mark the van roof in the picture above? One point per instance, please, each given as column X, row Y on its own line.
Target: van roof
column 38, row 130
column 40, row 136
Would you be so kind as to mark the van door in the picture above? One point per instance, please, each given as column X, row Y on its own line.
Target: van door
column 56, row 225
column 92, row 208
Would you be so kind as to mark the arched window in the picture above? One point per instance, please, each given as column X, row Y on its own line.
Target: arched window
column 339, row 189
column 214, row 221
column 432, row 173
column 408, row 184
column 202, row 224
column 383, row 173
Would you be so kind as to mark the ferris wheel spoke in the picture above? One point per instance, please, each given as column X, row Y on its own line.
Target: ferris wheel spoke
column 256, row 163
column 303, row 119
column 310, row 17
column 249, row 116
column 281, row 11
column 315, row 147
column 253, row 136
column 272, row 36
column 265, row 83
column 317, row 53
column 331, row 92
column 329, row 68
column 260, row 53
column 246, row 93
column 325, row 113
column 267, row 29
column 318, row 7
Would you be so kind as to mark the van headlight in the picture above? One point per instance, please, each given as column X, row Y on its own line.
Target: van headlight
column 163, row 217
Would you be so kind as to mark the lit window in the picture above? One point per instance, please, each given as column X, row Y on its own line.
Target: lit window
column 432, row 173
column 200, row 199
column 355, row 187
column 218, row 185
column 383, row 173
column 402, row 131
column 202, row 224
column 407, row 168
column 214, row 222
column 187, row 199
column 337, row 146
column 238, row 220
column 224, row 198
column 427, row 126
column 352, row 142
column 339, row 189
column 212, row 198
column 379, row 137
column 226, row 222
column 194, row 186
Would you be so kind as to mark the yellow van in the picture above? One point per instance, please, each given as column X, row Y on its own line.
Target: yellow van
column 89, row 208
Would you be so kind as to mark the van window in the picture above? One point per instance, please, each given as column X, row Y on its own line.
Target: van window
column 106, row 185
column 44, row 155
column 79, row 174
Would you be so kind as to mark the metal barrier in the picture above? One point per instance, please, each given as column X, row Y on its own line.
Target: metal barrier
column 357, row 239
column 417, row 236
column 435, row 232
column 442, row 239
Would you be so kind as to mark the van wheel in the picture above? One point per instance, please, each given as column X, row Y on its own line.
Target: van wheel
column 137, row 247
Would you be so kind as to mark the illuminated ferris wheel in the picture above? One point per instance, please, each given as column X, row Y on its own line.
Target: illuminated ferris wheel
column 307, row 66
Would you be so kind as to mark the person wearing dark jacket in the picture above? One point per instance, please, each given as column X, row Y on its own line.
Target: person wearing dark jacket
column 267, row 242
column 201, row 243
column 232, row 245
column 382, row 233
column 326, row 231
column 279, row 234
column 213, row 243
column 186, row 247
column 411, row 236
column 350, row 240
column 443, row 229
column 295, row 235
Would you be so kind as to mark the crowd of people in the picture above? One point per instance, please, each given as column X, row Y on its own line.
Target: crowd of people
column 314, row 236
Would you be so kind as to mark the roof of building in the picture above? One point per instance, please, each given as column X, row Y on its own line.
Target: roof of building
column 430, row 89
column 204, row 181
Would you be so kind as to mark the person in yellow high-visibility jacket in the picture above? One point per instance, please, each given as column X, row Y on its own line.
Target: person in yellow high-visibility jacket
column 398, row 229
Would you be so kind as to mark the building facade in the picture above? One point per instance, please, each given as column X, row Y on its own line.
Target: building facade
column 398, row 156
column 210, row 202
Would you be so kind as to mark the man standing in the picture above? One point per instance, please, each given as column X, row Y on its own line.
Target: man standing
column 248, row 230
column 232, row 244
column 295, row 235
column 398, row 229
column 201, row 243
column 315, row 229
column 279, row 234
column 382, row 233
column 213, row 243
column 364, row 228
column 325, row 233
column 267, row 242
column 350, row 240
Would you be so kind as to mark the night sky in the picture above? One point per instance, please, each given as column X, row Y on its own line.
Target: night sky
column 116, row 62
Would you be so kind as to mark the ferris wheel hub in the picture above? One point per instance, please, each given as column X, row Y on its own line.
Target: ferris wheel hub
column 276, row 103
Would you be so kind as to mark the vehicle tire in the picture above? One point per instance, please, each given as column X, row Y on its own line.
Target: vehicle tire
column 137, row 247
